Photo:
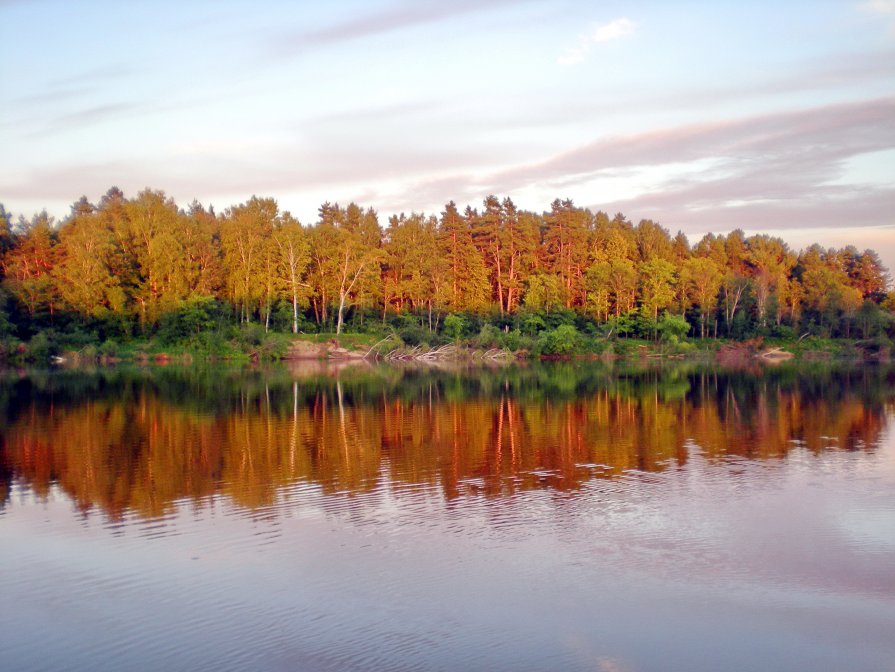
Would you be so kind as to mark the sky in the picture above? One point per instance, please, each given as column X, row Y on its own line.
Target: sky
column 772, row 117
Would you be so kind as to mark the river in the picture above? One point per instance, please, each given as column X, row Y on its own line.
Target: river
column 562, row 516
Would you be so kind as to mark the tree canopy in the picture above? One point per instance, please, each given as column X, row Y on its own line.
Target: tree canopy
column 124, row 264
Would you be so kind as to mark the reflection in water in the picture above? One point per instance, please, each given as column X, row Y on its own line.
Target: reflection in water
column 535, row 518
column 133, row 440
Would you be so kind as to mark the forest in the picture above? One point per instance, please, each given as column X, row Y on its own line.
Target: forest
column 144, row 267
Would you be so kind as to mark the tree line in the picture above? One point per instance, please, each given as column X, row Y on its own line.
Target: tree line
column 123, row 266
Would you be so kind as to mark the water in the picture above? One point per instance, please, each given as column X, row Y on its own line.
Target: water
column 561, row 517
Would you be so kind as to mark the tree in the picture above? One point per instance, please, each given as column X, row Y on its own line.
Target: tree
column 520, row 232
column 598, row 289
column 346, row 255
column 565, row 246
column 85, row 271
column 623, row 285
column 292, row 259
column 770, row 262
column 6, row 239
column 700, row 279
column 871, row 319
column 733, row 288
column 410, row 262
column 680, row 248
column 246, row 232
column 791, row 294
column 657, row 280
column 508, row 245
column 466, row 284
column 544, row 292
column 653, row 242
column 29, row 265
column 672, row 327
column 154, row 245
column 201, row 244
column 869, row 276
column 827, row 293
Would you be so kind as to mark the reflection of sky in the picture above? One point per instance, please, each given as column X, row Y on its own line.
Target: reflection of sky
column 704, row 116
column 717, row 564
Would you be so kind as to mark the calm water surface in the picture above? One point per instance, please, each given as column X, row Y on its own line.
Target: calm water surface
column 564, row 517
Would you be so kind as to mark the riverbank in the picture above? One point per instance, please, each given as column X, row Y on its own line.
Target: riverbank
column 489, row 349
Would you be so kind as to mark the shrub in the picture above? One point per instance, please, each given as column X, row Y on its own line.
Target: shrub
column 564, row 340
column 108, row 348
column 783, row 331
column 414, row 334
column 453, row 326
column 511, row 340
column 489, row 337
column 42, row 347
column 672, row 328
column 533, row 324
column 189, row 319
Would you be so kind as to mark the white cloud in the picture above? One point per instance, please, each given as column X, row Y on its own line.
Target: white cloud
column 613, row 30
column 880, row 6
column 599, row 33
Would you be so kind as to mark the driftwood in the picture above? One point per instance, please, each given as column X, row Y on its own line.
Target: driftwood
column 776, row 353
column 447, row 353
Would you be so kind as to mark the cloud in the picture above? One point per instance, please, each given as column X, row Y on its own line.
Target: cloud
column 599, row 34
column 815, row 138
column 397, row 17
column 88, row 116
column 99, row 75
column 766, row 172
column 885, row 7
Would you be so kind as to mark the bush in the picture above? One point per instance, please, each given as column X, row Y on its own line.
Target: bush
column 453, row 326
column 414, row 334
column 512, row 340
column 783, row 331
column 42, row 347
column 189, row 320
column 489, row 337
column 248, row 337
column 108, row 348
column 564, row 340
column 559, row 317
column 672, row 328
column 533, row 324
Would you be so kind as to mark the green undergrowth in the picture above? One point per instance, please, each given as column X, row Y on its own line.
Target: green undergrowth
column 530, row 336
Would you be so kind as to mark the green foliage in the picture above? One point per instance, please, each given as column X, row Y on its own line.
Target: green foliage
column 42, row 347
column 514, row 341
column 544, row 292
column 6, row 327
column 183, row 279
column 623, row 325
column 454, row 326
column 413, row 333
column 489, row 337
column 783, row 331
column 564, row 340
column 109, row 348
column 672, row 328
column 533, row 324
column 190, row 319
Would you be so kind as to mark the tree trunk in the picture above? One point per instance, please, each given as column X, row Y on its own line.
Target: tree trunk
column 339, row 322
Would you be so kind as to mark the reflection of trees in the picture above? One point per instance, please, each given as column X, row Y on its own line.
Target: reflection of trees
column 144, row 444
